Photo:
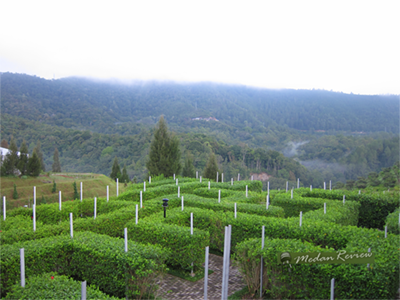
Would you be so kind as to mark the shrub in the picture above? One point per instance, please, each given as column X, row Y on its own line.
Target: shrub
column 392, row 222
column 53, row 286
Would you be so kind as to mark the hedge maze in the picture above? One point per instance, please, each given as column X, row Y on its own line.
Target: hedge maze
column 96, row 253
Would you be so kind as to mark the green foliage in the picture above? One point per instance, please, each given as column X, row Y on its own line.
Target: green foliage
column 164, row 156
column 15, row 193
column 211, row 169
column 186, row 248
column 39, row 153
column 125, row 176
column 34, row 166
column 116, row 170
column 373, row 210
column 392, row 222
column 188, row 169
column 54, row 188
column 56, row 167
column 43, row 201
column 53, row 286
column 90, row 257
column 23, row 158
column 76, row 194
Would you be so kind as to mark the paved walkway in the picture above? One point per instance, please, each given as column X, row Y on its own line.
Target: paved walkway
column 173, row 287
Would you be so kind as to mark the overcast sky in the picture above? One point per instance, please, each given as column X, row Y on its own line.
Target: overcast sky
column 348, row 46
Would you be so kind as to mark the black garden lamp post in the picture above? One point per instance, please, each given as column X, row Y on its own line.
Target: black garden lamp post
column 165, row 205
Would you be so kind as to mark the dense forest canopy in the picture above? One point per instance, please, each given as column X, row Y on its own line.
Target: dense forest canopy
column 339, row 136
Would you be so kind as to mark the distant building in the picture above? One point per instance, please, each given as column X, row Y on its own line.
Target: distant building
column 5, row 151
column 205, row 119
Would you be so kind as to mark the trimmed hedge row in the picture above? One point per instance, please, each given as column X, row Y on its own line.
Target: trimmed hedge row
column 279, row 281
column 186, row 248
column 313, row 281
column 134, row 194
column 54, row 286
column 392, row 222
column 312, row 208
column 91, row 257
column 374, row 208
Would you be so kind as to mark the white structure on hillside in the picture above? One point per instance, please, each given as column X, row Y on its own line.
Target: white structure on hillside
column 5, row 151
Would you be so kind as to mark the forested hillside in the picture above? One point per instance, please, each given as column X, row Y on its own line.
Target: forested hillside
column 340, row 136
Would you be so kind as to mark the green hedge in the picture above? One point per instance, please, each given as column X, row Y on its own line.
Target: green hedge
column 374, row 208
column 212, row 193
column 54, row 286
column 313, row 281
column 312, row 208
column 279, row 281
column 186, row 248
column 392, row 222
column 98, row 259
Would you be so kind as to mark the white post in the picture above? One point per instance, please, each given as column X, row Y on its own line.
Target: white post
column 95, row 208
column 4, row 208
column 117, row 187
column 247, row 191
column 206, row 274
column 301, row 216
column 268, row 188
column 191, row 223
column 311, row 188
column 298, row 183
column 231, row 181
column 359, row 192
column 209, row 185
column 81, row 192
column 262, row 263
column 34, row 195
column 267, row 201
column 149, row 179
column 224, row 263
column 34, row 217
column 238, row 177
column 333, row 289
column 385, row 232
column 22, row 265
column 144, row 186
column 108, row 193
column 222, row 177
column 177, row 181
column 252, row 177
column 141, row 199
column 182, row 203
column 83, row 290
column 197, row 174
column 59, row 200
column 179, row 191
column 219, row 196
column 324, row 185
column 235, row 210
column 330, row 185
column 344, row 199
column 217, row 176
column 174, row 176
column 137, row 214
column 291, row 194
column 71, row 226
column 324, row 208
column 126, row 239
column 287, row 186
column 200, row 179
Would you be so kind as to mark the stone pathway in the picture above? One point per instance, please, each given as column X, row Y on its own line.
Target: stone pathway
column 173, row 287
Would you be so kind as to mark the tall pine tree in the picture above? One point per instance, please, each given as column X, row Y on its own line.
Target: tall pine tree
column 40, row 155
column 165, row 155
column 188, row 168
column 23, row 158
column 211, row 168
column 56, row 167
column 124, row 176
column 116, row 170
column 11, row 159
column 34, row 165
